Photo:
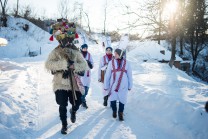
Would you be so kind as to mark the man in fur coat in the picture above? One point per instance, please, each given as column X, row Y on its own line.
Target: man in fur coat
column 65, row 62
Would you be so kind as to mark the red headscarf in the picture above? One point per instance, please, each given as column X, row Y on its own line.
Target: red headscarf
column 109, row 56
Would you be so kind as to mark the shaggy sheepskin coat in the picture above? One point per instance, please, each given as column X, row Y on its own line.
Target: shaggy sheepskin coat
column 57, row 63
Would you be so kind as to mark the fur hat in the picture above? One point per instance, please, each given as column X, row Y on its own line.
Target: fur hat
column 62, row 30
column 120, row 52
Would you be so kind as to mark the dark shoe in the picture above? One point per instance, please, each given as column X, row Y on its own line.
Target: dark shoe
column 84, row 104
column 114, row 114
column 105, row 103
column 73, row 116
column 64, row 129
column 120, row 116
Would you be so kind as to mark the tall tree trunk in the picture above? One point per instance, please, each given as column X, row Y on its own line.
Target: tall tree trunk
column 195, row 50
column 88, row 22
column 181, row 44
column 193, row 65
column 182, row 9
column 4, row 19
column 104, row 30
column 3, row 7
column 160, row 21
column 17, row 11
column 192, row 49
column 173, row 51
column 173, row 40
column 3, row 12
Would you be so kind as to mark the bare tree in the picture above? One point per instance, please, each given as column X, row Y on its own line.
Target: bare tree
column 173, row 39
column 160, row 20
column 3, row 7
column 181, row 24
column 17, row 9
column 148, row 14
column 78, row 12
column 63, row 8
column 196, row 28
column 155, row 10
column 88, row 22
column 27, row 12
column 105, row 17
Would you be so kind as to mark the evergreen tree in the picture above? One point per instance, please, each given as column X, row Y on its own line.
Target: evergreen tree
column 196, row 26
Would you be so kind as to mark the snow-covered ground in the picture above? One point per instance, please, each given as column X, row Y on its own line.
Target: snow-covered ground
column 21, row 42
column 164, row 102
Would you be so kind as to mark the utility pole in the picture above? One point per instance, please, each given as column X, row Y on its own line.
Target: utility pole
column 16, row 14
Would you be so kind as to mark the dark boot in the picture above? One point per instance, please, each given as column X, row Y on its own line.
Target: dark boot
column 64, row 129
column 114, row 114
column 73, row 116
column 120, row 115
column 105, row 103
column 84, row 104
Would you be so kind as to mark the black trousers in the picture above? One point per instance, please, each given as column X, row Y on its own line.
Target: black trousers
column 114, row 107
column 62, row 98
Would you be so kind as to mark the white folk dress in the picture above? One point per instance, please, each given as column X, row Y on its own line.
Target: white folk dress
column 102, row 67
column 86, row 79
column 111, row 81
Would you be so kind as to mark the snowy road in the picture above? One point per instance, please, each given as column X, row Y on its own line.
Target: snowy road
column 164, row 103
column 95, row 122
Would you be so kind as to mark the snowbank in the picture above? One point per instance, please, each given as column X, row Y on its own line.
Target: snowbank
column 150, row 50
column 21, row 42
column 3, row 42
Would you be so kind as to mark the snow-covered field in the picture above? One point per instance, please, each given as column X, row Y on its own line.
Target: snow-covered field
column 21, row 42
column 164, row 102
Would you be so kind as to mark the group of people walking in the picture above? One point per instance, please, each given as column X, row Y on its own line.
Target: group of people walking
column 71, row 68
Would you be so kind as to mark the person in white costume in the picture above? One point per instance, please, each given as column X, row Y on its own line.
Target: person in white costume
column 86, row 79
column 118, row 80
column 104, row 60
